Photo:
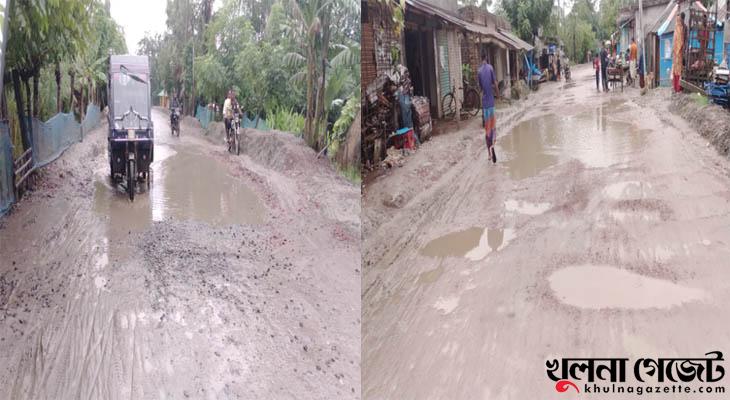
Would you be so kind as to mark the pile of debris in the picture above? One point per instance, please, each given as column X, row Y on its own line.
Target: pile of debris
column 379, row 119
column 718, row 90
column 388, row 104
column 422, row 117
column 395, row 157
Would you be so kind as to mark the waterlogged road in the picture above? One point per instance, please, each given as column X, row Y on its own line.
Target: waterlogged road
column 601, row 232
column 225, row 279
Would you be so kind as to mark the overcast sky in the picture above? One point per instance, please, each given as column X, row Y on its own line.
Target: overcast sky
column 138, row 17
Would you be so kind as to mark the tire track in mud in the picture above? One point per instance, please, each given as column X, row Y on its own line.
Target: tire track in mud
column 71, row 352
column 429, row 205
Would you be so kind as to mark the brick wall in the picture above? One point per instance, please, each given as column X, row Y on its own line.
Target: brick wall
column 368, row 70
column 470, row 54
column 483, row 17
column 378, row 40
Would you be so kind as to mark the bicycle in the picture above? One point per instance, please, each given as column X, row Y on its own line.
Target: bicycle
column 233, row 135
column 469, row 107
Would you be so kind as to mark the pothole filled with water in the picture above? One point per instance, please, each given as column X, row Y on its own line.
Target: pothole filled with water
column 591, row 137
column 185, row 186
column 602, row 286
column 474, row 243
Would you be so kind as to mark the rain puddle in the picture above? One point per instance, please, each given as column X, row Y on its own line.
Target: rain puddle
column 599, row 287
column 524, row 207
column 185, row 186
column 591, row 137
column 474, row 243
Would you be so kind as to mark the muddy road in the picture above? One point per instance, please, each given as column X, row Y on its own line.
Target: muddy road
column 602, row 231
column 229, row 278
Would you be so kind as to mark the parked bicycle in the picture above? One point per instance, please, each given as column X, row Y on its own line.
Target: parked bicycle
column 470, row 106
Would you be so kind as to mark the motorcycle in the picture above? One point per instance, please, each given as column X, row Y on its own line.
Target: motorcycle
column 175, row 122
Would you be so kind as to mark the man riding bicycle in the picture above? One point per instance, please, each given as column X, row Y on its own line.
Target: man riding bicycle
column 230, row 108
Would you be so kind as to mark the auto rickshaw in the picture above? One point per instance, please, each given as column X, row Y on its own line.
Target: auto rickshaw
column 131, row 132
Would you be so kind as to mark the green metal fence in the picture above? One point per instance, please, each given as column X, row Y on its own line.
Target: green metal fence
column 49, row 140
column 7, row 194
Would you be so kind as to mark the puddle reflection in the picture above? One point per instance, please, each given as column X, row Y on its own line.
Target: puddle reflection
column 185, row 186
column 591, row 137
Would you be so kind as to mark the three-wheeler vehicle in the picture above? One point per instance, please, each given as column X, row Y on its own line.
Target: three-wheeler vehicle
column 131, row 132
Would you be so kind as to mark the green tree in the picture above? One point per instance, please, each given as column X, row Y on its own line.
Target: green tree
column 526, row 16
column 40, row 32
column 607, row 18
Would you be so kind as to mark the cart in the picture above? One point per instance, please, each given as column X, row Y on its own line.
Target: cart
column 615, row 76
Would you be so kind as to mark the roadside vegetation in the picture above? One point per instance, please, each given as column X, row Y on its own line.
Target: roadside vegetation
column 55, row 60
column 294, row 63
column 581, row 29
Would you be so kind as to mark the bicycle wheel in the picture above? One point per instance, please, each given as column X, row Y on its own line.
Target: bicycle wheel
column 472, row 103
column 238, row 141
column 449, row 105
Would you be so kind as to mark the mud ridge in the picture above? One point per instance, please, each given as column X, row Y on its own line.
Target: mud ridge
column 711, row 120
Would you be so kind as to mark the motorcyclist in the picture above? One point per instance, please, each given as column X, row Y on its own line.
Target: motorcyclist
column 175, row 110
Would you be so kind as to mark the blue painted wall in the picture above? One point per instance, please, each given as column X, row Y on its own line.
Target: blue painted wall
column 665, row 64
column 718, row 46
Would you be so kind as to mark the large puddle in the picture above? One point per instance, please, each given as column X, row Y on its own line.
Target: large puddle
column 185, row 186
column 474, row 243
column 599, row 287
column 591, row 137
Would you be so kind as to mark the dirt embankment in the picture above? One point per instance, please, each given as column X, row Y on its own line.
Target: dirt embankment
column 289, row 161
column 710, row 120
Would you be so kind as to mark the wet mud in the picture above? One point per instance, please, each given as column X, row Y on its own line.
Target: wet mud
column 612, row 224
column 212, row 284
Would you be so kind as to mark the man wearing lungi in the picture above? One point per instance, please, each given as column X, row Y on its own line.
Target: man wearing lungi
column 488, row 84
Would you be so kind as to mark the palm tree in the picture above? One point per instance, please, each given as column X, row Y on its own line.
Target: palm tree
column 311, row 26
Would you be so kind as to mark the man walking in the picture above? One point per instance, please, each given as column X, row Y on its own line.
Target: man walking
column 597, row 67
column 604, row 65
column 488, row 83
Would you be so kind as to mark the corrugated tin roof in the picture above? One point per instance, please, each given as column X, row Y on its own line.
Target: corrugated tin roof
column 430, row 9
column 503, row 38
column 520, row 44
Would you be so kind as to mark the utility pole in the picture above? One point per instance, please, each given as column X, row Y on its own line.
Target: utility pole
column 574, row 50
column 641, row 33
column 195, row 104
